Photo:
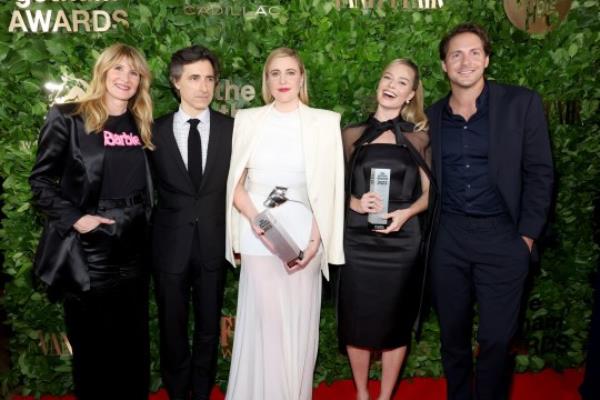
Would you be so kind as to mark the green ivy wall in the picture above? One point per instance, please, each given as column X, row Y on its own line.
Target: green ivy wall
column 344, row 51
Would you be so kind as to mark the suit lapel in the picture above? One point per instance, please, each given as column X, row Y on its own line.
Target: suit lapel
column 173, row 150
column 494, row 112
column 212, row 152
column 254, row 130
column 308, row 132
column 92, row 152
column 436, row 141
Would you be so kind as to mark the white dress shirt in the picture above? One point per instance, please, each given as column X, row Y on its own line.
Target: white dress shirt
column 181, row 129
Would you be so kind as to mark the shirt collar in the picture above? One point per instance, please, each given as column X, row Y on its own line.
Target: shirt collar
column 482, row 99
column 481, row 102
column 203, row 116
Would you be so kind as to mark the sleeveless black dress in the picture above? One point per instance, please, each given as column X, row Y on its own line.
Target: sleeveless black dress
column 380, row 284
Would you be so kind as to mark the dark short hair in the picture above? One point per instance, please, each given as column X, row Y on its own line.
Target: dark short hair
column 190, row 55
column 466, row 28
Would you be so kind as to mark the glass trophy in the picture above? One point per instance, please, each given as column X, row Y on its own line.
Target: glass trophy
column 277, row 239
column 380, row 184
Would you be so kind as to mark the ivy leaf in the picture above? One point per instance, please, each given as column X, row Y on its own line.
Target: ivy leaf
column 252, row 49
column 573, row 50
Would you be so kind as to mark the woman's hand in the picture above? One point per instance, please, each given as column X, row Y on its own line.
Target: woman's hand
column 309, row 253
column 89, row 222
column 399, row 218
column 312, row 249
column 258, row 231
column 370, row 202
column 243, row 203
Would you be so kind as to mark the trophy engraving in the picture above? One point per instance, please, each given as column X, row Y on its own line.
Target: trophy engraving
column 380, row 184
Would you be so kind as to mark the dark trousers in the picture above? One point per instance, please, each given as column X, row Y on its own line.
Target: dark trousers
column 185, row 370
column 481, row 260
column 108, row 331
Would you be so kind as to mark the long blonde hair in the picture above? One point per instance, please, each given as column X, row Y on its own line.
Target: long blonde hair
column 279, row 53
column 413, row 112
column 92, row 106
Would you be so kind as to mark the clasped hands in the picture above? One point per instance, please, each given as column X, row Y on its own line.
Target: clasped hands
column 371, row 202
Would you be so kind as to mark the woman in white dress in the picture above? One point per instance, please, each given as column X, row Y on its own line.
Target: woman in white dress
column 285, row 143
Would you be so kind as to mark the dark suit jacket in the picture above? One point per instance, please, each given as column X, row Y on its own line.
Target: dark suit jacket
column 180, row 207
column 66, row 181
column 520, row 159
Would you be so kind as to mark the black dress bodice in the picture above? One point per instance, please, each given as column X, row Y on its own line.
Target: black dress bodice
column 404, row 179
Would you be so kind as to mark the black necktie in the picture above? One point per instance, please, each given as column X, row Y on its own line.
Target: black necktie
column 194, row 153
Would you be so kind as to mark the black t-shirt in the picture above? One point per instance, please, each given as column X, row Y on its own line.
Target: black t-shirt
column 124, row 164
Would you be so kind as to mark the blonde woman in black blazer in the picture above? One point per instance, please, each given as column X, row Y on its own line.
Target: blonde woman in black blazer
column 91, row 181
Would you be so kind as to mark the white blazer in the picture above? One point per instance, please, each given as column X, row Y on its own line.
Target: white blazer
column 324, row 166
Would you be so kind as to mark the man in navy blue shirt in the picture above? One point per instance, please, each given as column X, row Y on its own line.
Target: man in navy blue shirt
column 493, row 166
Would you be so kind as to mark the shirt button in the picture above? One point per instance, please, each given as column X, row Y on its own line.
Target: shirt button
column 465, row 127
column 468, row 166
column 468, row 186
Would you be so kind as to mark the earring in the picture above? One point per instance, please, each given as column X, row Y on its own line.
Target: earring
column 408, row 101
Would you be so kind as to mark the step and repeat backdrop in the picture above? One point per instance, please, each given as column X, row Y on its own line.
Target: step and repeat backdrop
column 48, row 47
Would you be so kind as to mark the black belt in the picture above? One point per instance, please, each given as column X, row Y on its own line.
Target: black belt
column 138, row 198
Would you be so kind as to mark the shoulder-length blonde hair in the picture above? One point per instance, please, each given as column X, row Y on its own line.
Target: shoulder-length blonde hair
column 413, row 112
column 279, row 53
column 92, row 106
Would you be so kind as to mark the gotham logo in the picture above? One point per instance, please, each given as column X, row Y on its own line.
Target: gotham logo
column 24, row 19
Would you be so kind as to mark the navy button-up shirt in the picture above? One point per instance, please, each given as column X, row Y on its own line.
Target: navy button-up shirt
column 467, row 188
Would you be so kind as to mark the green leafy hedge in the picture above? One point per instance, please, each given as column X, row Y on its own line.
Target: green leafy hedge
column 344, row 52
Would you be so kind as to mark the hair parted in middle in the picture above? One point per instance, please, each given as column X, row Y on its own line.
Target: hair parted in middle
column 92, row 107
column 280, row 53
column 413, row 112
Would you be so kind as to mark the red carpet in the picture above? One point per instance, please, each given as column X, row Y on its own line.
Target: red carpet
column 545, row 385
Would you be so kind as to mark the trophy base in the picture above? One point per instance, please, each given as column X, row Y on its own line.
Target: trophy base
column 378, row 226
column 291, row 263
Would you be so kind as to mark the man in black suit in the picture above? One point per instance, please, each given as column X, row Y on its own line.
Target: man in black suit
column 190, row 165
column 493, row 165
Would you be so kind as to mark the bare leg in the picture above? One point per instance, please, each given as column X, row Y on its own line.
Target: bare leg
column 360, row 361
column 391, row 361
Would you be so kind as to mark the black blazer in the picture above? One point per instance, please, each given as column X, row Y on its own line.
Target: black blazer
column 180, row 207
column 520, row 159
column 66, row 181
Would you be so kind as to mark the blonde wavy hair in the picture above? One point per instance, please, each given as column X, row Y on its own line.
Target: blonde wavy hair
column 92, row 106
column 280, row 53
column 413, row 112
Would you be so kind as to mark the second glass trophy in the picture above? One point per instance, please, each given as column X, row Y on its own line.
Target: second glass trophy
column 380, row 184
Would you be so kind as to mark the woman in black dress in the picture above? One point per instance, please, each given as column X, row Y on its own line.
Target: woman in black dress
column 91, row 180
column 380, row 284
